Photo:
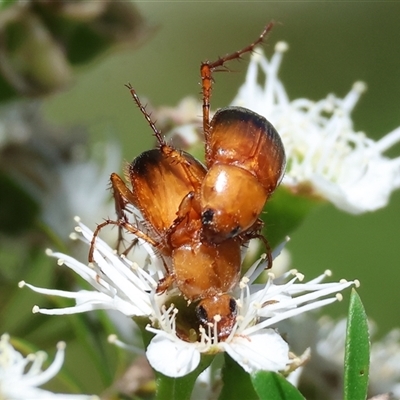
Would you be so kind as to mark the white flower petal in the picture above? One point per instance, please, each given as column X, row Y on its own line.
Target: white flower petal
column 172, row 357
column 121, row 285
column 264, row 350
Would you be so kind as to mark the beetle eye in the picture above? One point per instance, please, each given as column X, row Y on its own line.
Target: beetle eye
column 201, row 314
column 233, row 306
column 207, row 216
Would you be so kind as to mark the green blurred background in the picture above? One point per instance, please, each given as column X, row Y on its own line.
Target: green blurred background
column 332, row 45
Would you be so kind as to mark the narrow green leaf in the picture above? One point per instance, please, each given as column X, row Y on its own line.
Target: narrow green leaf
column 236, row 382
column 273, row 386
column 356, row 367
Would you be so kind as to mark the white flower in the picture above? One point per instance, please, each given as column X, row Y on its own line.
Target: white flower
column 385, row 365
column 325, row 156
column 384, row 372
column 125, row 286
column 325, row 339
column 325, row 368
column 119, row 284
column 78, row 188
column 20, row 376
column 65, row 177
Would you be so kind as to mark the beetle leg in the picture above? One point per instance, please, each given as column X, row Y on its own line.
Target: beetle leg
column 268, row 248
column 183, row 212
column 206, row 70
column 122, row 196
column 165, row 283
column 121, row 223
column 254, row 232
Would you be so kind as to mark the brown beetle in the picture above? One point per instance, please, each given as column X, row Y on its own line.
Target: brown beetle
column 245, row 160
column 198, row 217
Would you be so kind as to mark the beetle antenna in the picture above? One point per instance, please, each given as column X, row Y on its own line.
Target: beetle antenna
column 147, row 116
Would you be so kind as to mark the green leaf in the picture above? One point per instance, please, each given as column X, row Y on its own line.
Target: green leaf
column 236, row 382
column 356, row 368
column 273, row 386
column 285, row 212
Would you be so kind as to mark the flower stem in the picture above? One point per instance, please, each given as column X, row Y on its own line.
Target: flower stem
column 180, row 388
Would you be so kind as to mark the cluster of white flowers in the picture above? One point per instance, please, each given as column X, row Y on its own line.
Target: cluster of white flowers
column 79, row 188
column 385, row 365
column 326, row 338
column 325, row 155
column 123, row 285
column 20, row 376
